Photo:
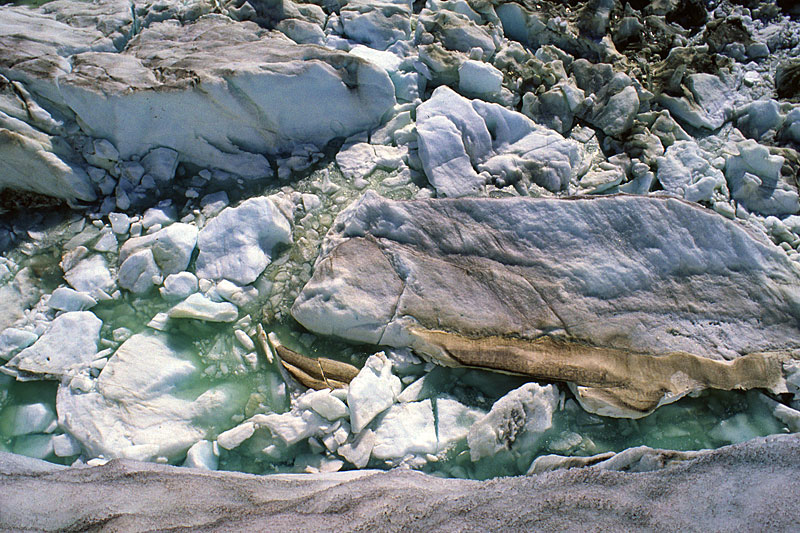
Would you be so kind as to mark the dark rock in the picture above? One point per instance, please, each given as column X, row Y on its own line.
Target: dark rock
column 787, row 79
column 722, row 32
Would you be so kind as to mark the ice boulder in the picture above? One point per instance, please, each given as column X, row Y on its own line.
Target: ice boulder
column 708, row 103
column 171, row 248
column 686, row 170
column 237, row 244
column 517, row 420
column 200, row 307
column 372, row 391
column 465, row 143
column 755, row 179
column 405, row 428
column 376, row 24
column 69, row 343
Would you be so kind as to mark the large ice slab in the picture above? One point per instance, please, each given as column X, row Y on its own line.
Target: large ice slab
column 269, row 95
column 637, row 300
column 145, row 404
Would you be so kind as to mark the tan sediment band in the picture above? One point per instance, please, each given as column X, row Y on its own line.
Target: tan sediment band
column 314, row 373
column 631, row 383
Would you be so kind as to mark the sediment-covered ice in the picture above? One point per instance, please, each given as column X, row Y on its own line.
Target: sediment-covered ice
column 487, row 268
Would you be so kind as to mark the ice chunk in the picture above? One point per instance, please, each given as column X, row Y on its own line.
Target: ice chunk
column 161, row 163
column 145, row 404
column 12, row 340
column 359, row 451
column 65, row 446
column 200, row 307
column 172, row 247
column 159, row 215
column 212, row 204
column 233, row 437
column 372, row 391
column 710, row 106
column 516, row 420
column 476, row 78
column 686, row 169
column 26, row 419
column 405, row 428
column 453, row 422
column 359, row 160
column 237, row 244
column 376, row 24
column 323, row 403
column 202, row 455
column 90, row 276
column 294, row 426
column 179, row 286
column 120, row 222
column 755, row 180
column 139, row 272
column 458, row 136
column 71, row 340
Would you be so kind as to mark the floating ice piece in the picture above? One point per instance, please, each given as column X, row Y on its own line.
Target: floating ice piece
column 203, row 454
column 323, row 403
column 65, row 446
column 359, row 160
column 372, row 391
column 359, row 450
column 66, row 299
column 405, row 428
column 755, row 180
column 237, row 244
column 26, row 419
column 235, row 436
column 200, row 307
column 517, row 420
column 145, row 403
column 294, row 426
column 139, row 272
column 453, row 422
column 70, row 341
column 12, row 340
